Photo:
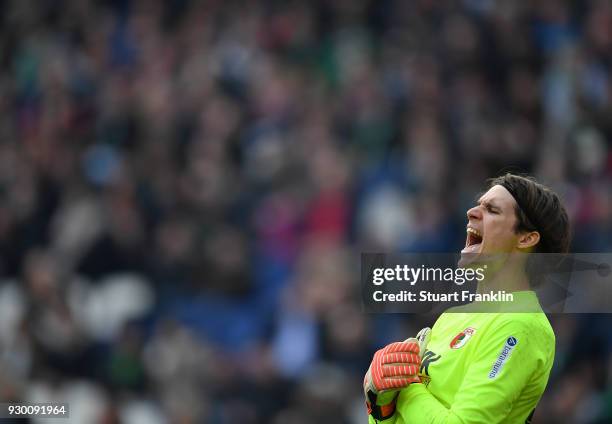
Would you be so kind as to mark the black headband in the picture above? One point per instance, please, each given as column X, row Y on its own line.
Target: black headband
column 530, row 220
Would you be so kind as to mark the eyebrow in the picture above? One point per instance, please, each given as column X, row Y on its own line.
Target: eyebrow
column 489, row 203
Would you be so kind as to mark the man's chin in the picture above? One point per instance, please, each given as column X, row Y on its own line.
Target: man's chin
column 470, row 256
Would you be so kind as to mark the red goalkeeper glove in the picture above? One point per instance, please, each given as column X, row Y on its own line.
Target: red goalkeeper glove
column 394, row 367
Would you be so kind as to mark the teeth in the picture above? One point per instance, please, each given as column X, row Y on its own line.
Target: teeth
column 474, row 231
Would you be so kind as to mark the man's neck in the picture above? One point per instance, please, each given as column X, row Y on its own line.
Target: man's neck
column 510, row 278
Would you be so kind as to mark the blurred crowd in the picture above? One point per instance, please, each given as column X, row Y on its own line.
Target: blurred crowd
column 186, row 186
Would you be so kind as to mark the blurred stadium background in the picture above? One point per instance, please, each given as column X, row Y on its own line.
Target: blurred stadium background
column 186, row 186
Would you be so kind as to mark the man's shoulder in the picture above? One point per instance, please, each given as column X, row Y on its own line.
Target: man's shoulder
column 534, row 325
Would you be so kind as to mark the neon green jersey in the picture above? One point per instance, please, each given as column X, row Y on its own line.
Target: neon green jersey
column 481, row 368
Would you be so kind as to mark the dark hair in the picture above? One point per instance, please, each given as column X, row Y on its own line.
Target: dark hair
column 538, row 208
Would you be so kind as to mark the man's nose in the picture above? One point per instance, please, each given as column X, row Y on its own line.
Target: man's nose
column 474, row 213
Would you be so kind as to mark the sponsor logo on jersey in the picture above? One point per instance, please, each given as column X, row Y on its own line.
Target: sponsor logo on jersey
column 462, row 338
column 428, row 358
column 503, row 356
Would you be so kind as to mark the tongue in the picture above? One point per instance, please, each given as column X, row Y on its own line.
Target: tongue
column 472, row 248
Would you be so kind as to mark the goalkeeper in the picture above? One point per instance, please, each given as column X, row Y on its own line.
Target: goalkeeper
column 480, row 367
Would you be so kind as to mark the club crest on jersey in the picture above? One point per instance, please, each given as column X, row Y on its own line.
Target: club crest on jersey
column 462, row 338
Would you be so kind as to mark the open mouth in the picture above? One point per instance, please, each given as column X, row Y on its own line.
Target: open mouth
column 473, row 241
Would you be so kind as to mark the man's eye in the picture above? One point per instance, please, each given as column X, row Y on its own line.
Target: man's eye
column 494, row 211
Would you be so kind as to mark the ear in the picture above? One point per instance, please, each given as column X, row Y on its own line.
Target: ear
column 528, row 240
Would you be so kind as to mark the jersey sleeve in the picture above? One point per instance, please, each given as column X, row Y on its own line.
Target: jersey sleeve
column 507, row 357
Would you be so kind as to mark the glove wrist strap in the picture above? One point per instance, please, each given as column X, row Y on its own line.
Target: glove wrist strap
column 380, row 412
